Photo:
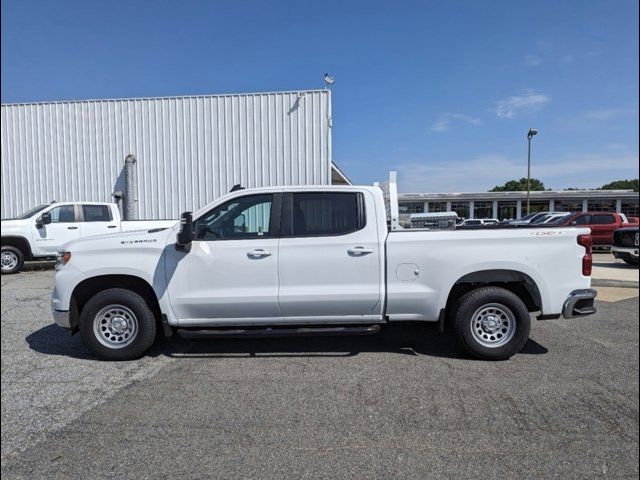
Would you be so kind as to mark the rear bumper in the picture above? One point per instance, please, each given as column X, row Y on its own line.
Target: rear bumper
column 579, row 303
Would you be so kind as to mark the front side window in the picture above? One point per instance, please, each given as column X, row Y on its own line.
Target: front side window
column 241, row 218
column 324, row 214
column 96, row 213
column 63, row 214
column 582, row 220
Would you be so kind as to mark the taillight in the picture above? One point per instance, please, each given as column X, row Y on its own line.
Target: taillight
column 586, row 241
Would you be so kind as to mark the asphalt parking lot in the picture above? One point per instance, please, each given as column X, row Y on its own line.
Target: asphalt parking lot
column 405, row 402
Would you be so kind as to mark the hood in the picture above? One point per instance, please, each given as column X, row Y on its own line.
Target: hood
column 136, row 239
column 14, row 226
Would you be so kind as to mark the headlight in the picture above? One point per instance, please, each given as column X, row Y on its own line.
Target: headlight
column 62, row 259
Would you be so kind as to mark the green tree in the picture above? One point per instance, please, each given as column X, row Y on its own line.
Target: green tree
column 519, row 186
column 622, row 185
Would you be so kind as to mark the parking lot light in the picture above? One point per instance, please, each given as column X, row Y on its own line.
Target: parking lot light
column 530, row 135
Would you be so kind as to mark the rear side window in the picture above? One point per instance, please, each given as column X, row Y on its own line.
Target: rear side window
column 96, row 213
column 602, row 219
column 63, row 214
column 473, row 222
column 325, row 214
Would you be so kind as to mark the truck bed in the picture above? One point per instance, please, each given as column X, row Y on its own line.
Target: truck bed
column 423, row 266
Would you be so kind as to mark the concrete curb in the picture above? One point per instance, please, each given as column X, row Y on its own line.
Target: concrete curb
column 38, row 265
column 603, row 282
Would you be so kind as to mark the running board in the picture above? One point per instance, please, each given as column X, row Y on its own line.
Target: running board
column 278, row 332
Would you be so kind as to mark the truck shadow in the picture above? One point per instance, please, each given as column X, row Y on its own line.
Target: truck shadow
column 411, row 339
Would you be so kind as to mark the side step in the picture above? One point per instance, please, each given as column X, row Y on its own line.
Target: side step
column 278, row 332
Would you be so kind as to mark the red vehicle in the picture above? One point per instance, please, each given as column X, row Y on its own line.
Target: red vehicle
column 602, row 224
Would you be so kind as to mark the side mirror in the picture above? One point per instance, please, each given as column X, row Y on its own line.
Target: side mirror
column 42, row 220
column 185, row 235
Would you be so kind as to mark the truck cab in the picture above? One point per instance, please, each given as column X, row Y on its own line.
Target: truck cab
column 602, row 225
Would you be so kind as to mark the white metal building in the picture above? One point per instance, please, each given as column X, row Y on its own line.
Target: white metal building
column 189, row 150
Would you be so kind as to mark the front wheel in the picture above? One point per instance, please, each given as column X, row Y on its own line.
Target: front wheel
column 117, row 324
column 492, row 323
column 11, row 259
column 631, row 261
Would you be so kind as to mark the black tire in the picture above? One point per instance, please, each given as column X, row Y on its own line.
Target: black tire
column 17, row 256
column 632, row 261
column 497, row 304
column 129, row 304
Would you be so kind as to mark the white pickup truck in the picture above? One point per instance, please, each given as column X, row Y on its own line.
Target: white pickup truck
column 312, row 261
column 40, row 232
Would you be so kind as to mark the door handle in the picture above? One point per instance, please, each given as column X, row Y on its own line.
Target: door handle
column 72, row 228
column 259, row 252
column 111, row 226
column 359, row 250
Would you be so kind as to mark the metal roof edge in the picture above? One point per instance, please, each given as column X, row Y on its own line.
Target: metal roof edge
column 167, row 97
column 335, row 166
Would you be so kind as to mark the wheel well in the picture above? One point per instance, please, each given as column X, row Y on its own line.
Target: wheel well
column 20, row 243
column 88, row 288
column 519, row 283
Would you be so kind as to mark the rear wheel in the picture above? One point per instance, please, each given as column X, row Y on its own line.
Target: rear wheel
column 11, row 259
column 492, row 323
column 631, row 261
column 117, row 324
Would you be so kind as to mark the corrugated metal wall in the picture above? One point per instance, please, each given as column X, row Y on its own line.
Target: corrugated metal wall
column 190, row 150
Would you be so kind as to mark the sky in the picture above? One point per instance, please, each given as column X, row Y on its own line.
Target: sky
column 444, row 91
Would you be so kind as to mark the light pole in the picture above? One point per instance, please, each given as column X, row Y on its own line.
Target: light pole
column 530, row 134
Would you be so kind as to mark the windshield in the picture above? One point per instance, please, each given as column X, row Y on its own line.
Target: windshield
column 541, row 219
column 527, row 217
column 559, row 219
column 31, row 212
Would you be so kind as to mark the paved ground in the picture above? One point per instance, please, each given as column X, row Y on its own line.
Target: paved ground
column 402, row 403
column 608, row 270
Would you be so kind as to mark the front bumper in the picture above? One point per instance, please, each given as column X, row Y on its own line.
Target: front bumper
column 61, row 318
column 579, row 303
column 624, row 252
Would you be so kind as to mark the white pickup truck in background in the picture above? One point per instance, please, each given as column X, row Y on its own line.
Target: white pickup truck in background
column 313, row 261
column 40, row 232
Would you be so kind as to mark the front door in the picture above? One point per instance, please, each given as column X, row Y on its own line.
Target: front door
column 230, row 272
column 330, row 258
column 63, row 228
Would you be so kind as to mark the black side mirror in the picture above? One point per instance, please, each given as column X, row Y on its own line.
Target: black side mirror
column 185, row 235
column 42, row 220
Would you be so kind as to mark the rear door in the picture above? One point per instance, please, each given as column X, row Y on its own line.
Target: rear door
column 330, row 258
column 602, row 227
column 63, row 228
column 96, row 220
